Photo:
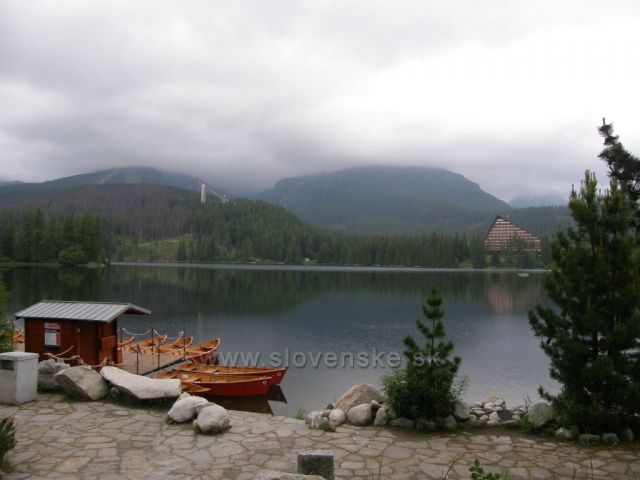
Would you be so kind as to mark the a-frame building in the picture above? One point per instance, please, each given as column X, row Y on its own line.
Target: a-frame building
column 502, row 234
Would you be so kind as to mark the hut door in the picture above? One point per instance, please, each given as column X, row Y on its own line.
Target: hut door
column 89, row 345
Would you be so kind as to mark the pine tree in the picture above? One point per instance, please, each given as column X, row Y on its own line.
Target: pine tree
column 424, row 389
column 623, row 166
column 593, row 336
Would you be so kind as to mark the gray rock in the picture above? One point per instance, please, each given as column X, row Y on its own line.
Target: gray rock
column 360, row 415
column 478, row 412
column 82, row 382
column 426, row 426
column 500, row 402
column 541, row 414
column 476, row 405
column 462, row 412
column 563, row 434
column 489, row 405
column 494, row 417
column 498, row 408
column 199, row 406
column 374, row 405
column 313, row 418
column 273, row 475
column 483, row 419
column 489, row 409
column 326, row 425
column 139, row 387
column 510, row 423
column 330, row 406
column 493, row 423
column 588, row 439
column 491, row 399
column 402, row 422
column 47, row 370
column 212, row 419
column 610, row 439
column 627, row 435
column 184, row 409
column 317, row 462
column 515, row 417
column 382, row 418
column 336, row 418
column 391, row 412
column 450, row 423
column 473, row 422
column 357, row 395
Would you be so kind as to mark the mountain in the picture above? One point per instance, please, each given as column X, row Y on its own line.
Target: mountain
column 387, row 200
column 544, row 200
column 127, row 175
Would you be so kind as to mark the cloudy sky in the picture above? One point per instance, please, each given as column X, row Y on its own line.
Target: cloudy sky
column 507, row 92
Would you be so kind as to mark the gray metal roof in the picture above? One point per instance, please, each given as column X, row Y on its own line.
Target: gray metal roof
column 89, row 311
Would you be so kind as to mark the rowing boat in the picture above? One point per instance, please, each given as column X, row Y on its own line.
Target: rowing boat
column 275, row 374
column 177, row 347
column 222, row 386
column 18, row 335
column 125, row 341
column 205, row 352
column 145, row 346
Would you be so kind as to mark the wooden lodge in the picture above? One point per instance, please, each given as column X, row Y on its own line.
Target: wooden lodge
column 86, row 329
column 502, row 234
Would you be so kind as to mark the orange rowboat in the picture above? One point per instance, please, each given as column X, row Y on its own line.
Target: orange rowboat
column 125, row 341
column 178, row 347
column 275, row 374
column 18, row 335
column 222, row 386
column 146, row 346
column 205, row 352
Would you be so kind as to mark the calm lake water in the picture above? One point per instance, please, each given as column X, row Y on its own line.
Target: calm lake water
column 301, row 316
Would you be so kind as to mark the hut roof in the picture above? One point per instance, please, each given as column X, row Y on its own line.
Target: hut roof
column 88, row 311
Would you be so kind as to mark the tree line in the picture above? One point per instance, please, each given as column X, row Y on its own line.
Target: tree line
column 32, row 237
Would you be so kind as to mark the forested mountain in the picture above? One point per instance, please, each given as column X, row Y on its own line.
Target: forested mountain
column 550, row 200
column 401, row 200
column 113, row 176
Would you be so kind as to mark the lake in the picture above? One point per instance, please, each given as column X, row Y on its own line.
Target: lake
column 309, row 318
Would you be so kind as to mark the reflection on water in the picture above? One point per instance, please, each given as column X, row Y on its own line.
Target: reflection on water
column 266, row 312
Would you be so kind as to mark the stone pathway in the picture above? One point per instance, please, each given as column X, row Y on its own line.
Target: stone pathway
column 58, row 439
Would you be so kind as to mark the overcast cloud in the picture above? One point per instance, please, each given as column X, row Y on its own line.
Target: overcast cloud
column 508, row 93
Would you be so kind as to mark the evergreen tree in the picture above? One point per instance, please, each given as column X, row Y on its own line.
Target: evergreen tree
column 593, row 336
column 623, row 166
column 424, row 389
column 181, row 254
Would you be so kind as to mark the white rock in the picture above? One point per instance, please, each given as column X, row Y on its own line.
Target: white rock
column 83, row 382
column 500, row 402
column 450, row 423
column 47, row 370
column 375, row 405
column 484, row 419
column 382, row 418
column 313, row 418
column 184, row 409
column 461, row 412
column 357, row 395
column 563, row 434
column 497, row 408
column 142, row 388
column 490, row 405
column 493, row 423
column 493, row 416
column 336, row 418
column 541, row 414
column 212, row 419
column 476, row 405
column 360, row 415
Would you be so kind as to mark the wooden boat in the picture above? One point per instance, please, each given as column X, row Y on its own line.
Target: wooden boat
column 178, row 347
column 222, row 386
column 125, row 341
column 18, row 335
column 193, row 389
column 146, row 346
column 275, row 374
column 205, row 352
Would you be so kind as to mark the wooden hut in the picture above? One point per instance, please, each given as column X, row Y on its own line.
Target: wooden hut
column 502, row 234
column 87, row 329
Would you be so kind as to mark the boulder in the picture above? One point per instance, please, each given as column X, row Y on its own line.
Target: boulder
column 391, row 412
column 588, row 439
column 336, row 418
column 330, row 406
column 375, row 405
column 382, row 418
column 494, row 417
column 184, row 410
column 357, row 395
column 326, row 425
column 317, row 462
column 360, row 415
column 139, row 387
column 402, row 422
column 627, row 435
column 313, row 418
column 610, row 439
column 563, row 434
column 462, row 411
column 449, row 423
column 541, row 414
column 492, row 399
column 82, row 382
column 47, row 370
column 212, row 419
column 273, row 475
column 473, row 421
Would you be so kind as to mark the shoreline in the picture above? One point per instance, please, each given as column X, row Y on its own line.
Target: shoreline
column 326, row 268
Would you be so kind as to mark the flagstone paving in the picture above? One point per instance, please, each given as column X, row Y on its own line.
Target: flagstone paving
column 58, row 439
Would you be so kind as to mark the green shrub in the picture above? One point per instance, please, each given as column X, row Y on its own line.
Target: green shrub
column 73, row 255
column 424, row 389
column 7, row 442
column 478, row 473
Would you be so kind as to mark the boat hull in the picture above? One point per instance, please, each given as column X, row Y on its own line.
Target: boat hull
column 222, row 385
column 275, row 374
